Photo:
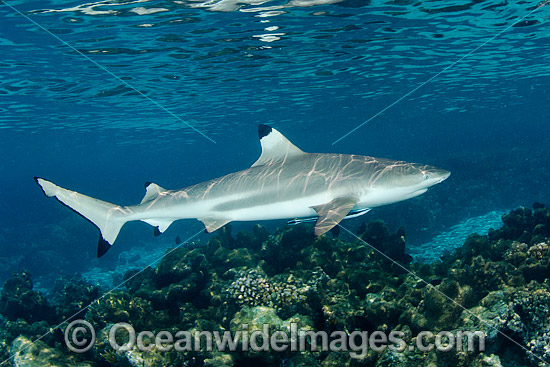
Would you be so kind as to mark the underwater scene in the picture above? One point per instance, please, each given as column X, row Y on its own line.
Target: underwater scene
column 222, row 152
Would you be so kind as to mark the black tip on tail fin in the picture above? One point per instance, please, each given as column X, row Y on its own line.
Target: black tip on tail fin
column 263, row 130
column 102, row 247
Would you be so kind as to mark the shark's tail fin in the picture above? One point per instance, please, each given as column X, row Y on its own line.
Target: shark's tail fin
column 108, row 218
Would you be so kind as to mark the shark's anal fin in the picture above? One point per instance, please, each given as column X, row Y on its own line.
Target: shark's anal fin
column 160, row 225
column 211, row 223
column 331, row 213
column 275, row 147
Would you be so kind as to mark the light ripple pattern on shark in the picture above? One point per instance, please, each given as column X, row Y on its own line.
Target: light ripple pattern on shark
column 284, row 183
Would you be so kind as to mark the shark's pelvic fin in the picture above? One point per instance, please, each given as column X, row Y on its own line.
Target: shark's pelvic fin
column 211, row 223
column 275, row 147
column 152, row 191
column 331, row 213
column 108, row 218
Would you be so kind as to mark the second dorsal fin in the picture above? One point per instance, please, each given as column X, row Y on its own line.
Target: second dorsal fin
column 275, row 147
column 151, row 192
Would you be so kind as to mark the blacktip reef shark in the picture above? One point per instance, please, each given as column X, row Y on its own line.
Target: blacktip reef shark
column 284, row 183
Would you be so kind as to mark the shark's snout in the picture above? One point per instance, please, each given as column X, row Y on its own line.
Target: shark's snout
column 441, row 175
column 434, row 176
column 445, row 176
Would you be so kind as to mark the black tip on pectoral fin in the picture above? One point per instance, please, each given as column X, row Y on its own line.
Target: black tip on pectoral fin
column 264, row 130
column 157, row 232
column 102, row 247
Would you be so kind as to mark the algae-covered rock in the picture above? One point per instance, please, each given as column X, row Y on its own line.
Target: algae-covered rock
column 19, row 300
column 72, row 295
column 256, row 317
column 377, row 234
column 484, row 360
column 220, row 360
column 291, row 279
column 25, row 353
column 127, row 355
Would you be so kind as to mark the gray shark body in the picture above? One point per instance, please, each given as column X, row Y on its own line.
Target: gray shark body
column 284, row 183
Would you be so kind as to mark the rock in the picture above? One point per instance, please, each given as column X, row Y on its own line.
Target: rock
column 25, row 353
column 19, row 300
column 256, row 317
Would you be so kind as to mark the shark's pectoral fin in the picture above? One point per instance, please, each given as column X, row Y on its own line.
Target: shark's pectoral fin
column 211, row 223
column 331, row 213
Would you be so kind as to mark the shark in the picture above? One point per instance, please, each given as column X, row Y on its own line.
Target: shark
column 284, row 183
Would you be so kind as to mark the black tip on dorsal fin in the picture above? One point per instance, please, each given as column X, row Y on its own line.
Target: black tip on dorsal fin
column 263, row 130
column 157, row 232
column 38, row 183
column 147, row 184
column 102, row 247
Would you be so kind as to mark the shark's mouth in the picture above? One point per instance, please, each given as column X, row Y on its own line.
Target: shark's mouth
column 419, row 192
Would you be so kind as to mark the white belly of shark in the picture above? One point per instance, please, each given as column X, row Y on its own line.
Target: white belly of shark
column 284, row 183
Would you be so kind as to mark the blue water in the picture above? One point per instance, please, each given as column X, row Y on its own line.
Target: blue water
column 466, row 84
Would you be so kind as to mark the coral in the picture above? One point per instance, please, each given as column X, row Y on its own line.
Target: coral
column 256, row 317
column 25, row 353
column 286, row 250
column 539, row 251
column 321, row 284
column 521, row 315
column 133, row 357
column 517, row 253
column 252, row 288
column 19, row 300
column 72, row 295
column 377, row 234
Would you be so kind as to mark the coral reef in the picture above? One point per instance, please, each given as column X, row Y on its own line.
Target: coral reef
column 498, row 284
column 26, row 353
column 19, row 300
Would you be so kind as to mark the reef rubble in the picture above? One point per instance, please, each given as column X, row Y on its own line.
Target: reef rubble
column 497, row 284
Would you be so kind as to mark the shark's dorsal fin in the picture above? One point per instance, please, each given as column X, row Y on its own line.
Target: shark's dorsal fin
column 151, row 192
column 275, row 147
column 331, row 213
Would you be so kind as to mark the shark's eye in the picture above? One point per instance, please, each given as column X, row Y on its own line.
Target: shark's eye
column 426, row 176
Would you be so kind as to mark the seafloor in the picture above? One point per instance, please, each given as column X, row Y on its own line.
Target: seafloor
column 496, row 283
